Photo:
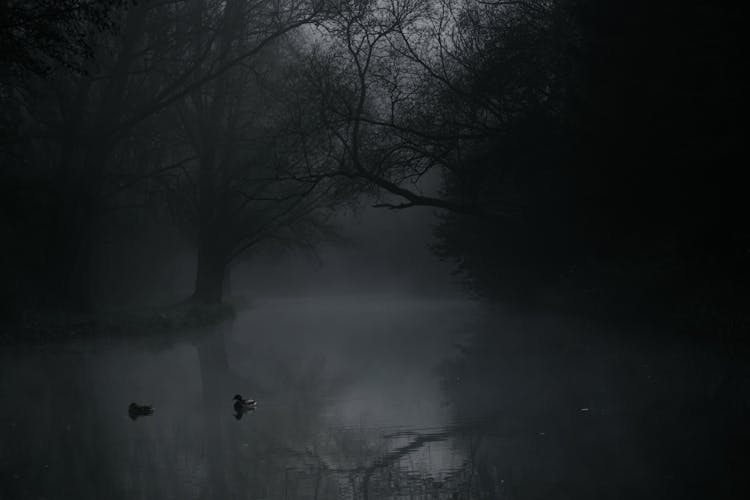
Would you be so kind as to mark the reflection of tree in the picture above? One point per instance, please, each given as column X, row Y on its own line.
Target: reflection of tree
column 378, row 469
column 79, row 442
column 244, row 461
column 392, row 457
column 589, row 410
column 214, row 381
column 281, row 451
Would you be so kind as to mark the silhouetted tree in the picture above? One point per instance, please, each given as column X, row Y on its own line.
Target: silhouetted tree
column 37, row 35
column 86, row 141
column 578, row 132
column 240, row 188
column 619, row 209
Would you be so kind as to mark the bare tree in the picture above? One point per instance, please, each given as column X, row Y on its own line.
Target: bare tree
column 415, row 89
column 86, row 133
column 247, row 182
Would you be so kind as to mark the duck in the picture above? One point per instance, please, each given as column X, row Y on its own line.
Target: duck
column 135, row 410
column 242, row 406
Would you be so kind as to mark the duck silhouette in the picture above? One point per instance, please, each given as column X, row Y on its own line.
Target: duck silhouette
column 242, row 406
column 136, row 410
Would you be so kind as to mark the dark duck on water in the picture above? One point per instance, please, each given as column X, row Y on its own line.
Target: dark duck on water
column 136, row 410
column 242, row 406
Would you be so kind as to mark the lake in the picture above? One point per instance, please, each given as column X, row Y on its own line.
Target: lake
column 347, row 391
column 375, row 396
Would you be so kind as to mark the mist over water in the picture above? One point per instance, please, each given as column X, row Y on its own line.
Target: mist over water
column 424, row 249
column 376, row 376
column 379, row 251
column 364, row 396
column 341, row 382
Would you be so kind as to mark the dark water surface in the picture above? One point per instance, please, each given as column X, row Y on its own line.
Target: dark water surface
column 347, row 390
column 375, row 397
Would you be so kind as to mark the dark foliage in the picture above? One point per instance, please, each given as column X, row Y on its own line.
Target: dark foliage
column 36, row 35
column 626, row 174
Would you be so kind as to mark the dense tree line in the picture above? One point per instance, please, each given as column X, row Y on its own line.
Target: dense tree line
column 160, row 116
column 581, row 152
column 586, row 150
column 625, row 164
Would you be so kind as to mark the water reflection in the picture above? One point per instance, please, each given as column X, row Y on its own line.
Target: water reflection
column 350, row 407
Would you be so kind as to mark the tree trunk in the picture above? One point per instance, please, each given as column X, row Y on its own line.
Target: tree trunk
column 215, row 380
column 228, row 280
column 86, row 148
column 213, row 250
column 209, row 282
column 70, row 249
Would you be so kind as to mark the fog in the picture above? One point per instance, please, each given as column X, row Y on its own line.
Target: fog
column 369, row 395
column 379, row 251
column 373, row 249
column 340, row 383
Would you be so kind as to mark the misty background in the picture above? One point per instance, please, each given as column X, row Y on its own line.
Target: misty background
column 451, row 249
column 375, row 251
